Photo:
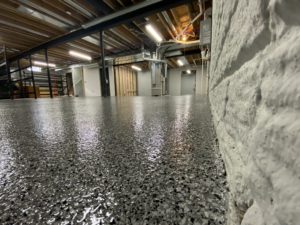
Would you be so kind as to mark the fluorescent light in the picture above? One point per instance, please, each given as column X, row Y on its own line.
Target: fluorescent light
column 35, row 69
column 188, row 71
column 154, row 33
column 58, row 69
column 179, row 62
column 136, row 68
column 44, row 64
column 80, row 55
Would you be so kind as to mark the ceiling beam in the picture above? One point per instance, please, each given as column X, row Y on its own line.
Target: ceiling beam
column 142, row 9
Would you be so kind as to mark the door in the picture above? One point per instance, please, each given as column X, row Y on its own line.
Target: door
column 188, row 84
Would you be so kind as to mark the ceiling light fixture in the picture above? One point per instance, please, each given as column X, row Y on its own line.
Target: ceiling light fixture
column 136, row 68
column 179, row 62
column 154, row 33
column 188, row 71
column 184, row 38
column 44, row 64
column 35, row 69
column 58, row 69
column 80, row 55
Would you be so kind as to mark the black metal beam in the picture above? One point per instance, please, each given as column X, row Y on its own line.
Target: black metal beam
column 139, row 10
column 196, row 51
column 48, row 73
column 102, row 8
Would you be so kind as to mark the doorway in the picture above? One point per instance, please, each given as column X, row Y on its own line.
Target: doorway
column 188, row 83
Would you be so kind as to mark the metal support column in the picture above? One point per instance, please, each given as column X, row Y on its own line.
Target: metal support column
column 48, row 73
column 32, row 77
column 11, row 93
column 20, row 80
column 104, row 79
column 67, row 84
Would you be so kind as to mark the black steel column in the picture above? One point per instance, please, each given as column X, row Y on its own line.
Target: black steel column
column 67, row 84
column 48, row 74
column 32, row 77
column 11, row 93
column 103, row 78
column 20, row 80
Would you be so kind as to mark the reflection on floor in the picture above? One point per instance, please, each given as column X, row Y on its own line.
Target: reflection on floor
column 135, row 160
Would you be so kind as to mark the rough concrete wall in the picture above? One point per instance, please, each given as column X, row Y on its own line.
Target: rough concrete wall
column 255, row 100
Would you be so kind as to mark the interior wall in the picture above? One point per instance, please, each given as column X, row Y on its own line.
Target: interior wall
column 255, row 102
column 174, row 81
column 91, row 77
column 144, row 83
column 78, row 84
column 202, row 80
column 125, row 81
column 111, row 74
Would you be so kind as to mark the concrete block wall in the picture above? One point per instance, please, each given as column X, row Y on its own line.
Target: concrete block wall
column 255, row 101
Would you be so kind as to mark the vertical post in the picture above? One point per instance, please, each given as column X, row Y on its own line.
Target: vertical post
column 48, row 74
column 104, row 79
column 32, row 77
column 11, row 94
column 67, row 84
column 21, row 79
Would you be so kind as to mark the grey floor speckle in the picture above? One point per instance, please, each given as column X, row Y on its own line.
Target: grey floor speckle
column 135, row 160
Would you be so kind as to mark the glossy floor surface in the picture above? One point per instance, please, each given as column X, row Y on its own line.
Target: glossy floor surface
column 135, row 160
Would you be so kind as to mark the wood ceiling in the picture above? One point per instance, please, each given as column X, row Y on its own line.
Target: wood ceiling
column 28, row 23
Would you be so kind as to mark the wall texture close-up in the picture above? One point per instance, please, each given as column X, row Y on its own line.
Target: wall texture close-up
column 255, row 101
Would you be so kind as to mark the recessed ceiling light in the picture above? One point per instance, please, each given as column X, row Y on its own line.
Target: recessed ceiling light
column 68, row 12
column 136, row 68
column 80, row 55
column 188, row 72
column 179, row 62
column 154, row 33
column 44, row 64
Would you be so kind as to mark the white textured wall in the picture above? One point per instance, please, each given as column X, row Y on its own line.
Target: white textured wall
column 144, row 83
column 91, row 77
column 255, row 100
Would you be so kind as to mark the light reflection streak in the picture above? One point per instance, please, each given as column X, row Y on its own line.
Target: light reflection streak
column 48, row 126
column 154, row 143
column 87, row 129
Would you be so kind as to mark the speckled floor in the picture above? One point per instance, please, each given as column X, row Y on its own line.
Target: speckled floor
column 135, row 160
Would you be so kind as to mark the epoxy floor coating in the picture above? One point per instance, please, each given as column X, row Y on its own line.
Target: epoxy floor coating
column 135, row 160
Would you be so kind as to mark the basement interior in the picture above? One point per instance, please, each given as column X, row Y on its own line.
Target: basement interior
column 161, row 112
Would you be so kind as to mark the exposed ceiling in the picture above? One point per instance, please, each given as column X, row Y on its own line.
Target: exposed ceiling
column 28, row 23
